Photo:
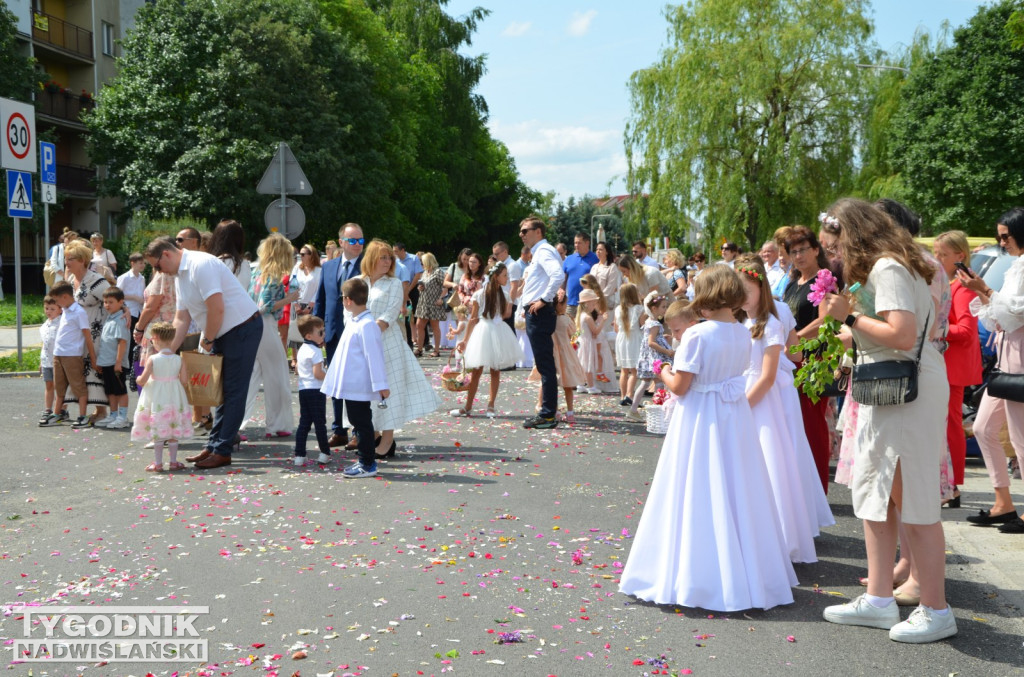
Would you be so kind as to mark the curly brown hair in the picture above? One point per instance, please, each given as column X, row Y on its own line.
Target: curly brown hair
column 869, row 234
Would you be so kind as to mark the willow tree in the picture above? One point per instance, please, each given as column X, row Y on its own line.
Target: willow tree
column 749, row 119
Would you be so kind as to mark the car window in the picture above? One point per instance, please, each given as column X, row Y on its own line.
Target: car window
column 991, row 263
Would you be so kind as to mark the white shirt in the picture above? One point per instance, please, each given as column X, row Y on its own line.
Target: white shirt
column 655, row 280
column 48, row 335
column 648, row 261
column 775, row 273
column 358, row 364
column 132, row 285
column 546, row 275
column 199, row 277
column 1005, row 307
column 70, row 342
column 308, row 283
column 308, row 357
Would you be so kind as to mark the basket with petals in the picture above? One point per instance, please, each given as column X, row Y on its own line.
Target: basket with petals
column 657, row 418
column 454, row 379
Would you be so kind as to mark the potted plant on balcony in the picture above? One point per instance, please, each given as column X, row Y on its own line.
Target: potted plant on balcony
column 87, row 98
column 52, row 87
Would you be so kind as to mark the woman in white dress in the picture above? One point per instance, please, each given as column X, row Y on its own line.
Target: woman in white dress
column 608, row 275
column 305, row 278
column 898, row 447
column 412, row 397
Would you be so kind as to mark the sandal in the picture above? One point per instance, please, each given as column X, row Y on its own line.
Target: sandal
column 153, row 467
column 491, row 413
column 436, row 353
column 418, row 352
column 175, row 465
column 459, row 413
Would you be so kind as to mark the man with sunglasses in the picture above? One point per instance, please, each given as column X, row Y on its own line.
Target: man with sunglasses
column 330, row 308
column 189, row 239
column 543, row 282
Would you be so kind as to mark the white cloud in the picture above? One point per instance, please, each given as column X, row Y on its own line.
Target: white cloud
column 579, row 25
column 570, row 159
column 516, row 29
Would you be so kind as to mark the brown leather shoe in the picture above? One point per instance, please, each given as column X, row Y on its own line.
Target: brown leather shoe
column 201, row 456
column 214, row 461
column 337, row 440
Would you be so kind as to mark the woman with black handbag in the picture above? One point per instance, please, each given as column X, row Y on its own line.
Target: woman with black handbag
column 896, row 466
column 1002, row 311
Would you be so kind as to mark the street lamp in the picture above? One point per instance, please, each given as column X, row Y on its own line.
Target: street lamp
column 600, row 229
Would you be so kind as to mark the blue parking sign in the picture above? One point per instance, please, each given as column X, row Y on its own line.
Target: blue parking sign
column 19, row 194
column 48, row 162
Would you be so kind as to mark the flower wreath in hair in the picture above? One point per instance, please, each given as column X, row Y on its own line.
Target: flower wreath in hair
column 752, row 273
column 828, row 220
column 653, row 298
column 495, row 269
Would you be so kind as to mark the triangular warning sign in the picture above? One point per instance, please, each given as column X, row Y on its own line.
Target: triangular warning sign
column 19, row 200
column 294, row 179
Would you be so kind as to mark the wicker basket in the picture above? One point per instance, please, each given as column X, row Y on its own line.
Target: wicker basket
column 657, row 419
column 454, row 381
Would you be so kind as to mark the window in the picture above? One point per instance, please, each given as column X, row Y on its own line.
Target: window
column 108, row 39
column 37, row 6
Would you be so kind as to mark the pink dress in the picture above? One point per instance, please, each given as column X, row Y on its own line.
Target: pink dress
column 163, row 412
column 567, row 364
column 595, row 354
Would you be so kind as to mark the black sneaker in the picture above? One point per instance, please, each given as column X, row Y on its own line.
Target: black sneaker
column 626, row 402
column 50, row 420
column 541, row 422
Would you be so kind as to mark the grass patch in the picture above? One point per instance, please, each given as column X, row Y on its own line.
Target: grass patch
column 31, row 310
column 29, row 361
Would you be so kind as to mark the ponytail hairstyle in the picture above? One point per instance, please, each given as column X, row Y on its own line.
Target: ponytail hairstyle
column 590, row 282
column 754, row 271
column 494, row 295
column 628, row 297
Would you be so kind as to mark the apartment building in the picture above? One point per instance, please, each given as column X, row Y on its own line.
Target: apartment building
column 75, row 43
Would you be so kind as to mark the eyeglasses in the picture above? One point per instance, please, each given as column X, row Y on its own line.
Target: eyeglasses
column 524, row 231
column 179, row 240
column 798, row 252
column 354, row 240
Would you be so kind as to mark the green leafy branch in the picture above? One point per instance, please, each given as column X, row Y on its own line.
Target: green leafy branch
column 822, row 356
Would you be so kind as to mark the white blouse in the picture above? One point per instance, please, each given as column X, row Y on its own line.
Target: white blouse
column 1005, row 308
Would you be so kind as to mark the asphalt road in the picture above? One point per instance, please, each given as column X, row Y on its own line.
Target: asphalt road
column 476, row 529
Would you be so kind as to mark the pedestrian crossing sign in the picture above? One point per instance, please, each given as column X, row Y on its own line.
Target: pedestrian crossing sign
column 19, row 194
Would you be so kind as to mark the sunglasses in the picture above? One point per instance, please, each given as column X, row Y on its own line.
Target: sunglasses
column 1004, row 237
column 305, row 254
column 179, row 240
column 524, row 231
column 354, row 240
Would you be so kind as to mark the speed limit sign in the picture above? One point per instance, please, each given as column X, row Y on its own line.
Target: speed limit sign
column 18, row 126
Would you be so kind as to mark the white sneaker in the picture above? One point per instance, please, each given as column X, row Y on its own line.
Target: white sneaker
column 862, row 612
column 150, row 445
column 105, row 421
column 119, row 423
column 923, row 626
column 323, row 459
column 300, row 461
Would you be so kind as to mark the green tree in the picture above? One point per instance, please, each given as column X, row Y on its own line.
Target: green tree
column 18, row 78
column 749, row 120
column 958, row 136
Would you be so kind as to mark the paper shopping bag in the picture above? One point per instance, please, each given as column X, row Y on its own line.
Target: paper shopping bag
column 204, row 382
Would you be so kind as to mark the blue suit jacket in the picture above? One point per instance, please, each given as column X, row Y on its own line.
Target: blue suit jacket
column 328, row 305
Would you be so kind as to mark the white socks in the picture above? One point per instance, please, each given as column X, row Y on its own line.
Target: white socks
column 879, row 602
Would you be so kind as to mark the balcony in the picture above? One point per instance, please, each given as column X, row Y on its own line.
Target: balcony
column 76, row 180
column 66, row 37
column 66, row 106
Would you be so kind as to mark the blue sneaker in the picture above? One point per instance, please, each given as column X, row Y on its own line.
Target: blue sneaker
column 357, row 469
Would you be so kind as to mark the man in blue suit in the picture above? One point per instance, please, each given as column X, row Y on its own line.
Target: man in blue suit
column 329, row 306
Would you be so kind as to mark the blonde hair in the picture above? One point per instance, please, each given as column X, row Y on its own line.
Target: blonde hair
column 674, row 257
column 373, row 253
column 635, row 273
column 429, row 262
column 163, row 331
column 716, row 288
column 460, row 311
column 590, row 282
column 79, row 250
column 682, row 309
column 276, row 255
column 628, row 297
column 955, row 240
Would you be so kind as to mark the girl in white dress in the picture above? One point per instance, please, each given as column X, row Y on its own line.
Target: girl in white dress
column 784, row 447
column 489, row 342
column 163, row 414
column 709, row 536
column 627, row 340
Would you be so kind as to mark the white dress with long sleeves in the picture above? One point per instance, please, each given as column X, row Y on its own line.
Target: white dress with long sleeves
column 412, row 396
column 709, row 536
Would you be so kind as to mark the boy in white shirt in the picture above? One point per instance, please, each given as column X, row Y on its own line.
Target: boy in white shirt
column 356, row 374
column 48, row 334
column 73, row 338
column 309, row 365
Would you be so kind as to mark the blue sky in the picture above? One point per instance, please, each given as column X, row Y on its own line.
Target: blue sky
column 558, row 69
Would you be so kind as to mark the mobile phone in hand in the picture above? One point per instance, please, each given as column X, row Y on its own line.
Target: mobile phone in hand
column 967, row 271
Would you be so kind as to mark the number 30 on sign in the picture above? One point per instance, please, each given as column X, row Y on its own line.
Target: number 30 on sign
column 18, row 124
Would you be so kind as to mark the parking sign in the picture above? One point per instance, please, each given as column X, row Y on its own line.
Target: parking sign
column 48, row 162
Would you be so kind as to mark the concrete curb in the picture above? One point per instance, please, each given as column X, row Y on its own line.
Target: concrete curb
column 20, row 374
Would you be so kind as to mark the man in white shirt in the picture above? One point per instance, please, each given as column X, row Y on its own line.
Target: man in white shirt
column 209, row 293
column 543, row 282
column 640, row 254
column 515, row 276
column 770, row 255
column 133, row 284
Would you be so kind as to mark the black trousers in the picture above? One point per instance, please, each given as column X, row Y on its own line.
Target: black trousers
column 360, row 416
column 540, row 328
column 414, row 300
column 312, row 414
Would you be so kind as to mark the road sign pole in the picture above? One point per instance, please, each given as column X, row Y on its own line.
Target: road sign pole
column 46, row 235
column 284, row 194
column 17, row 280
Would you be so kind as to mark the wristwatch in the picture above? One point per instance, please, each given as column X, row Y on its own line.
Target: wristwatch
column 207, row 341
column 850, row 319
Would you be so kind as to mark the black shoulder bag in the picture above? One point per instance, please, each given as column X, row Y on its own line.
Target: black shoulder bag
column 882, row 384
column 1003, row 385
